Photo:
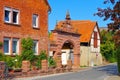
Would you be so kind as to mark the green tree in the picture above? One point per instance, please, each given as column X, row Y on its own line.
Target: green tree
column 27, row 49
column 108, row 51
column 108, row 46
column 112, row 13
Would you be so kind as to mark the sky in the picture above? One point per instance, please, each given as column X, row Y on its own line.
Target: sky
column 78, row 9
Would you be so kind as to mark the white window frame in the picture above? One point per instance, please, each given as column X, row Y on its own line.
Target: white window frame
column 37, row 24
column 18, row 12
column 8, row 39
column 8, row 9
column 35, row 41
column 17, row 50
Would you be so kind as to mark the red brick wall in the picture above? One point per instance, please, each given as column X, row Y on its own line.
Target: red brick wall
column 61, row 38
column 27, row 8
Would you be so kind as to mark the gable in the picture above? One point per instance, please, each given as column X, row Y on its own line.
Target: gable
column 96, row 29
column 85, row 28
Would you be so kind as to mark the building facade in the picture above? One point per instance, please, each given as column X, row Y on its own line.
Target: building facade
column 88, row 42
column 64, row 43
column 21, row 19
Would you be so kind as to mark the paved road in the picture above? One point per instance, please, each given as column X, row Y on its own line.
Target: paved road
column 96, row 73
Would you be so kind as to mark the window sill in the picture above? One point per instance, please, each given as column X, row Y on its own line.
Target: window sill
column 7, row 54
column 11, row 24
column 36, row 28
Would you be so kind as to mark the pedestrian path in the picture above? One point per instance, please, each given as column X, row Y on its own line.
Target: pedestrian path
column 113, row 78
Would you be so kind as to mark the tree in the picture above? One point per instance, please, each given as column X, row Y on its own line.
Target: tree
column 113, row 13
column 108, row 46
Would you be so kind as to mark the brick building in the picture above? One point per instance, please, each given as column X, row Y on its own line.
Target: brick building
column 64, row 43
column 21, row 19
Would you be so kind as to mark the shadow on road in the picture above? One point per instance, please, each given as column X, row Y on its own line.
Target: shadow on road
column 109, row 69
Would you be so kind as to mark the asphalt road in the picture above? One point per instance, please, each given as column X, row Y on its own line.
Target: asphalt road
column 95, row 73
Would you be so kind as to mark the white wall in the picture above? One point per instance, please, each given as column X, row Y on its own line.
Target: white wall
column 95, row 50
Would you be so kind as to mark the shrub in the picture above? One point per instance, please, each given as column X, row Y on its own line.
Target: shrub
column 51, row 62
column 40, row 57
column 43, row 55
column 38, row 64
column 1, row 44
column 108, row 51
column 27, row 49
column 9, row 60
column 118, row 59
column 1, row 56
column 17, row 61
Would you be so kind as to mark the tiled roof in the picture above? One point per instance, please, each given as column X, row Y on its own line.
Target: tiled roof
column 85, row 28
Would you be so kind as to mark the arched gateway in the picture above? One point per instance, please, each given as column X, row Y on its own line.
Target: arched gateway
column 65, row 43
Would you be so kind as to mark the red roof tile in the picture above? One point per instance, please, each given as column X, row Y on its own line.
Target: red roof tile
column 85, row 28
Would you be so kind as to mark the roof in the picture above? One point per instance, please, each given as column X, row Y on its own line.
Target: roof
column 48, row 4
column 83, row 27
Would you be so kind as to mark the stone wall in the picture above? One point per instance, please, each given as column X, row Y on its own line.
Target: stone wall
column 61, row 38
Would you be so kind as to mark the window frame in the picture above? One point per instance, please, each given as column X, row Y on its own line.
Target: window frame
column 7, row 39
column 10, row 14
column 37, row 21
column 36, row 42
column 17, row 46
column 18, row 12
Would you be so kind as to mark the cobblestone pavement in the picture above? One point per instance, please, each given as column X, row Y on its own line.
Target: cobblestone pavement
column 95, row 73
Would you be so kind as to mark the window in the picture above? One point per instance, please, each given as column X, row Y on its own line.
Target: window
column 7, row 15
column 15, row 47
column 35, row 47
column 35, row 21
column 11, row 15
column 15, row 16
column 6, row 45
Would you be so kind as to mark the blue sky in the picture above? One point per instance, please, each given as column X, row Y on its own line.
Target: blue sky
column 79, row 10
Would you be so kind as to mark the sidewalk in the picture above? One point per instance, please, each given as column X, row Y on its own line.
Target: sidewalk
column 113, row 78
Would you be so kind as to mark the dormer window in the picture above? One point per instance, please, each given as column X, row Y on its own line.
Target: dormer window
column 35, row 21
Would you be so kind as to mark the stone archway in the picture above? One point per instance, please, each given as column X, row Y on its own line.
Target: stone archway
column 67, row 52
column 66, row 39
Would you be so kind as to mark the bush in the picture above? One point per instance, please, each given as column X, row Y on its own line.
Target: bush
column 40, row 57
column 1, row 56
column 118, row 59
column 38, row 64
column 51, row 62
column 1, row 44
column 17, row 61
column 9, row 60
column 27, row 50
column 43, row 55
column 108, row 51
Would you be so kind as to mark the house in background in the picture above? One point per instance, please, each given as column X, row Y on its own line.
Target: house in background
column 21, row 19
column 88, row 42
